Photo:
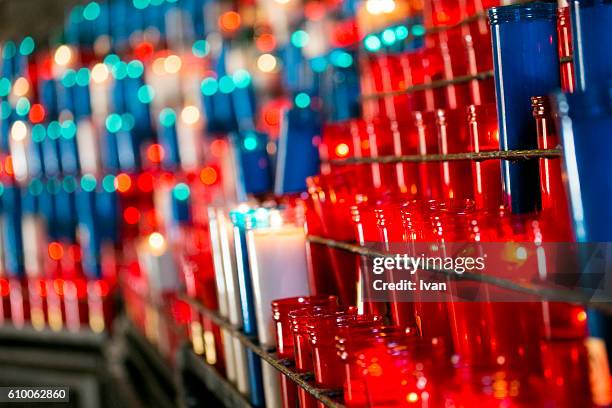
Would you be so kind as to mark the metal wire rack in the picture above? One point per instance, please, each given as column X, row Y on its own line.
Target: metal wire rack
column 328, row 397
column 477, row 156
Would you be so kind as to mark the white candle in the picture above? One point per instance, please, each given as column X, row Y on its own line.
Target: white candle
column 87, row 145
column 34, row 251
column 189, row 137
column 34, row 245
column 19, row 144
column 215, row 240
column 277, row 258
column 159, row 265
column 226, row 238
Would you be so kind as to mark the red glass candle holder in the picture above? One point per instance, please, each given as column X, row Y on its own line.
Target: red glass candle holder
column 552, row 189
column 561, row 320
column 406, row 143
column 566, row 370
column 390, row 223
column 436, row 65
column 387, row 79
column 343, row 140
column 444, row 12
column 453, row 54
column 350, row 341
column 318, row 256
column 564, row 32
column 403, row 373
column 333, row 195
column 486, row 175
column 453, row 138
column 431, row 318
column 424, row 131
column 381, row 134
column 298, row 320
column 322, row 330
column 366, row 234
column 420, row 67
column 280, row 311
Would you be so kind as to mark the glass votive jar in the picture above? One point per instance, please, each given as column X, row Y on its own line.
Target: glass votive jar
column 391, row 226
column 332, row 197
column 406, row 143
column 566, row 369
column 322, row 330
column 486, row 174
column 380, row 140
column 319, row 264
column 441, row 13
column 336, row 144
column 453, row 138
column 367, row 235
column 284, row 337
column 590, row 29
column 343, row 140
column 564, row 33
column 421, row 67
column 556, row 263
column 281, row 308
column 403, row 373
column 522, row 32
column 454, row 62
column 392, row 81
column 350, row 340
column 552, row 188
column 302, row 350
column 431, row 317
column 430, row 181
column 584, row 120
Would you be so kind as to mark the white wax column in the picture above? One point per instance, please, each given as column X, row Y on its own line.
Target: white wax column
column 230, row 272
column 271, row 384
column 215, row 242
column 189, row 144
column 230, row 355
column 277, row 258
column 87, row 144
column 191, row 80
column 179, row 30
column 162, row 196
column 215, row 239
column 279, row 16
column 242, row 368
column 233, row 187
column 166, row 86
column 33, row 231
column 226, row 237
column 16, row 299
column 19, row 144
column 100, row 93
column 158, row 264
